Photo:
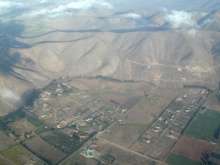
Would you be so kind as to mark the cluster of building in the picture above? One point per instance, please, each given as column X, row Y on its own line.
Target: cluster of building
column 76, row 112
column 166, row 130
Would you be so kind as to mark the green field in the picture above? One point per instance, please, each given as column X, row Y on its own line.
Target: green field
column 20, row 156
column 180, row 160
column 34, row 120
column 204, row 125
column 61, row 141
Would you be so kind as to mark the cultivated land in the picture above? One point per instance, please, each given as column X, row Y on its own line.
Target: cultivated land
column 192, row 148
column 50, row 154
column 19, row 155
column 5, row 141
column 71, row 125
column 180, row 160
column 205, row 125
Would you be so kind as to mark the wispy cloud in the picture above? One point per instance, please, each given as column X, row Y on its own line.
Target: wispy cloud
column 68, row 6
column 82, row 5
column 8, row 94
column 52, row 8
column 180, row 19
column 132, row 16
column 4, row 5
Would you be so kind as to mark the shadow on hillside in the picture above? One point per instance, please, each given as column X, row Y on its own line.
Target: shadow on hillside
column 8, row 39
column 12, row 32
column 119, row 30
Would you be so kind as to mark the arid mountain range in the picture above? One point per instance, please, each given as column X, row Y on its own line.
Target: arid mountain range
column 168, row 46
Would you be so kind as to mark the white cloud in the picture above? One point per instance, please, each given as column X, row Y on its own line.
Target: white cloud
column 61, row 8
column 132, row 16
column 38, row 12
column 192, row 32
column 44, row 1
column 8, row 94
column 82, row 5
column 9, row 4
column 180, row 19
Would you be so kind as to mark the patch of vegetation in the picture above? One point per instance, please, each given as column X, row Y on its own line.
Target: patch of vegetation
column 61, row 141
column 204, row 125
column 34, row 120
column 14, row 152
column 218, row 95
column 18, row 154
column 42, row 129
column 174, row 159
column 12, row 117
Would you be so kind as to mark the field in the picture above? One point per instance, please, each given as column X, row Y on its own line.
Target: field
column 76, row 158
column 22, row 126
column 192, row 148
column 61, row 141
column 5, row 141
column 119, row 156
column 139, row 117
column 213, row 102
column 34, row 120
column 180, row 160
column 45, row 151
column 4, row 161
column 124, row 135
column 204, row 125
column 20, row 156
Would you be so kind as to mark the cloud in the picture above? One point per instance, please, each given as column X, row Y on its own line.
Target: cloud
column 38, row 12
column 132, row 16
column 8, row 94
column 180, row 19
column 8, row 4
column 82, row 5
column 62, row 8
column 43, row 1
column 7, row 7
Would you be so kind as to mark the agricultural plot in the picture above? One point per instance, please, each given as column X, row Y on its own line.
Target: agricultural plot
column 5, row 141
column 204, row 126
column 44, row 150
column 61, row 141
column 180, row 160
column 124, row 135
column 21, row 127
column 19, row 155
column 213, row 102
column 106, row 153
column 192, row 148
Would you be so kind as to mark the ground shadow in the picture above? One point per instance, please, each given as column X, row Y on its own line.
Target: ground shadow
column 9, row 31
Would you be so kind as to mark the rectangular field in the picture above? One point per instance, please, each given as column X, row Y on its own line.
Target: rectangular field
column 180, row 160
column 19, row 155
column 61, row 141
column 204, row 125
column 45, row 151
column 192, row 148
column 5, row 141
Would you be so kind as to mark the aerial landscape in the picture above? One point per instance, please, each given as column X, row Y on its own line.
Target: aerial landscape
column 109, row 82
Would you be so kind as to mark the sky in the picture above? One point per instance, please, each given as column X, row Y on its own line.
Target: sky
column 178, row 13
column 118, row 5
